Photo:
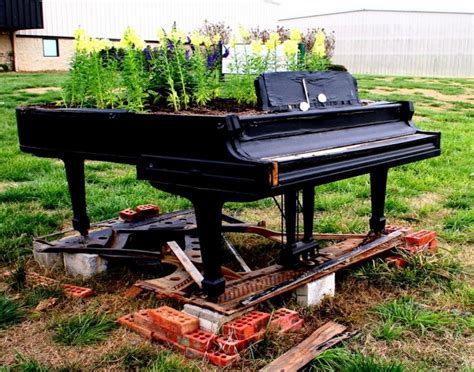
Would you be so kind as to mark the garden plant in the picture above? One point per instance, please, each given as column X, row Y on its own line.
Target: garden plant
column 180, row 71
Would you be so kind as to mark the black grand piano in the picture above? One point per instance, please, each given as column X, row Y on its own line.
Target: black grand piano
column 313, row 129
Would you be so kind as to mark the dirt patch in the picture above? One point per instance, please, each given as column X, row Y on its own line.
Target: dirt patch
column 40, row 90
column 6, row 185
column 426, row 92
column 426, row 199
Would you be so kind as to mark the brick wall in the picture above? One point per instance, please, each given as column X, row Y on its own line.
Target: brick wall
column 29, row 55
column 5, row 50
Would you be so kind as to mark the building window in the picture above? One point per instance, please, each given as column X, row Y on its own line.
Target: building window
column 50, row 48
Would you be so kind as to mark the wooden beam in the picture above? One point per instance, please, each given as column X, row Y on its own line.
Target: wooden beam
column 303, row 353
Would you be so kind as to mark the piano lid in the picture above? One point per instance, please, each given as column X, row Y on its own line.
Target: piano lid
column 306, row 90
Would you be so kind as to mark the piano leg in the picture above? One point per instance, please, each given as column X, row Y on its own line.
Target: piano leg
column 77, row 190
column 308, row 213
column 378, row 187
column 288, row 257
column 209, row 222
column 308, row 217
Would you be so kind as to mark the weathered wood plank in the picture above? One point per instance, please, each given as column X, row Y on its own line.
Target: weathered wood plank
column 303, row 353
column 186, row 262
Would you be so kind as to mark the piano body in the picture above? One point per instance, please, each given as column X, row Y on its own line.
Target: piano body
column 214, row 159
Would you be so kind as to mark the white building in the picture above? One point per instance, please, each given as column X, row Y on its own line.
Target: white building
column 399, row 42
column 367, row 41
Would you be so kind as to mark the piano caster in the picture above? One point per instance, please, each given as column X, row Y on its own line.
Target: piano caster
column 213, row 287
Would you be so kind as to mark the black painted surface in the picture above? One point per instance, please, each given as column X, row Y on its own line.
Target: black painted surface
column 214, row 159
column 21, row 14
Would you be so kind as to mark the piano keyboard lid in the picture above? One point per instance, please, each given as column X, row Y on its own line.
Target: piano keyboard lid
column 306, row 90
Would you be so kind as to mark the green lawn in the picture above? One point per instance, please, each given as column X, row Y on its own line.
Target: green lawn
column 434, row 194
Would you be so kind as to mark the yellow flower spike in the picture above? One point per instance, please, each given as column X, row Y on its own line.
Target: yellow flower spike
column 273, row 41
column 131, row 39
column 160, row 34
column 244, row 33
column 295, row 35
column 196, row 38
column 207, row 41
column 233, row 42
column 80, row 39
column 319, row 47
column 256, row 46
column 177, row 36
column 290, row 48
column 216, row 38
column 104, row 44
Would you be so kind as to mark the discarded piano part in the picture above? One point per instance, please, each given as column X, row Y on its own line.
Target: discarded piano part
column 182, row 265
column 211, row 160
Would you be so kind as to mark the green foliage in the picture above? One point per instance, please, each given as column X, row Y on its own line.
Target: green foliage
column 422, row 269
column 405, row 312
column 25, row 364
column 131, row 357
column 83, row 329
column 341, row 359
column 10, row 312
column 32, row 297
column 167, row 361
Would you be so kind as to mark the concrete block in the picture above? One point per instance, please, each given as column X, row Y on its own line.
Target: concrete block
column 84, row 264
column 209, row 320
column 312, row 293
column 50, row 261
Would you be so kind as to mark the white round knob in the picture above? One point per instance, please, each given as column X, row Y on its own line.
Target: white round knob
column 322, row 98
column 304, row 106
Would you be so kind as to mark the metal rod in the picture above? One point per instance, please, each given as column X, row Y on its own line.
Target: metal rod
column 236, row 254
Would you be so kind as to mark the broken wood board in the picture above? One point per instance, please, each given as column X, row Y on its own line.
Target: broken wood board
column 186, row 262
column 260, row 280
column 303, row 353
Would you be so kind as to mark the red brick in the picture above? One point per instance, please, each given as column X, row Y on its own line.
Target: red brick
column 220, row 359
column 396, row 260
column 133, row 292
column 433, row 246
column 173, row 320
column 128, row 215
column 231, row 346
column 77, row 292
column 142, row 318
column 286, row 320
column 127, row 321
column 246, row 326
column 420, row 241
column 147, row 210
column 199, row 340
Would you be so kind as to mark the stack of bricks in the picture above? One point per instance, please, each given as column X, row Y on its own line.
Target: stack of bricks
column 415, row 242
column 181, row 331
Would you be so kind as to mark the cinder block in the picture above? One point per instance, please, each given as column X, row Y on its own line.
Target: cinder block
column 50, row 261
column 209, row 320
column 173, row 320
column 313, row 293
column 84, row 264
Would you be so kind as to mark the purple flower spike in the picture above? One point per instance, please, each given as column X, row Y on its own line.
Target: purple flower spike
column 147, row 54
column 211, row 59
column 170, row 45
column 187, row 54
column 226, row 52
